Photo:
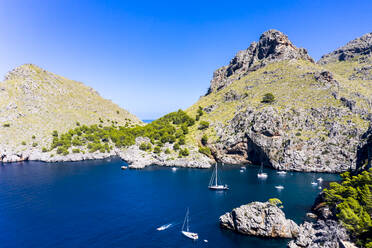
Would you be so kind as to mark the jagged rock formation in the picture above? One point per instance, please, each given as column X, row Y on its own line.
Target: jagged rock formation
column 34, row 102
column 315, row 122
column 364, row 154
column 272, row 46
column 260, row 219
column 358, row 47
column 321, row 234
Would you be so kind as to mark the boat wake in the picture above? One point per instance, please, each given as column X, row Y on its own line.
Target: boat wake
column 164, row 227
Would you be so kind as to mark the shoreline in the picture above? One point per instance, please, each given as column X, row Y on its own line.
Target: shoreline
column 139, row 162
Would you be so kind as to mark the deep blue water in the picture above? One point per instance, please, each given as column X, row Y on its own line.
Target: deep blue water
column 95, row 204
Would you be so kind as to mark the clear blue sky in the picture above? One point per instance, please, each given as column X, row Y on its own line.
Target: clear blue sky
column 153, row 57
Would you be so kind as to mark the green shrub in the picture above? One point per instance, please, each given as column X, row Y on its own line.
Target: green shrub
column 275, row 201
column 351, row 200
column 33, row 137
column 76, row 150
column 157, row 149
column 23, row 143
column 204, row 139
column 176, row 146
column 145, row 146
column 6, row 125
column 268, row 98
column 181, row 141
column 167, row 151
column 203, row 125
column 205, row 150
column 77, row 123
column 200, row 111
column 34, row 144
column 55, row 133
column 184, row 153
column 44, row 149
column 298, row 134
column 170, row 128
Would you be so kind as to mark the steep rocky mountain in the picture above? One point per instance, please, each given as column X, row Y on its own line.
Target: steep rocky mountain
column 35, row 102
column 317, row 116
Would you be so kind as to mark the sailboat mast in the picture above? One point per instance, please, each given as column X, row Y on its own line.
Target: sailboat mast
column 216, row 175
column 187, row 226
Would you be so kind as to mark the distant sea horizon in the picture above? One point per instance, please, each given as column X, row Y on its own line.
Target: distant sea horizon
column 147, row 121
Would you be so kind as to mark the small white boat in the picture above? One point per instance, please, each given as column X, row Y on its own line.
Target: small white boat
column 320, row 179
column 163, row 227
column 320, row 187
column 281, row 172
column 213, row 183
column 205, row 241
column 241, row 170
column 124, row 167
column 314, row 183
column 185, row 228
column 280, row 187
column 174, row 168
column 261, row 174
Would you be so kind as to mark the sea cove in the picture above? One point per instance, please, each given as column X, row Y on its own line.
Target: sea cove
column 95, row 204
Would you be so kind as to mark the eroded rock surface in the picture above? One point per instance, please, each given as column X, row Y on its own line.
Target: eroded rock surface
column 272, row 46
column 260, row 219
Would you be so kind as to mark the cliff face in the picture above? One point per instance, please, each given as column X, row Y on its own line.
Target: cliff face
column 35, row 102
column 315, row 121
column 358, row 47
column 272, row 46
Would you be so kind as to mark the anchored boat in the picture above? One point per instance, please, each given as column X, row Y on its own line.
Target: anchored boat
column 261, row 174
column 213, row 183
column 185, row 228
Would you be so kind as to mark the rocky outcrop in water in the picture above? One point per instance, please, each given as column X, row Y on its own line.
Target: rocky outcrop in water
column 358, row 47
column 261, row 219
column 272, row 46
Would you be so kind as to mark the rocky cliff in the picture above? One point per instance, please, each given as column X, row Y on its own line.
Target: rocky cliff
column 314, row 120
column 261, row 219
column 272, row 46
column 35, row 102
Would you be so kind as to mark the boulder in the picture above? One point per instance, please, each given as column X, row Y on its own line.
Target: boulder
column 261, row 219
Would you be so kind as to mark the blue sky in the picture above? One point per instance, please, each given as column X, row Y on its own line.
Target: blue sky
column 154, row 57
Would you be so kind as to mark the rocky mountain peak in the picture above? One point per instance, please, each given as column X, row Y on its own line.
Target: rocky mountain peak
column 357, row 47
column 23, row 71
column 272, row 46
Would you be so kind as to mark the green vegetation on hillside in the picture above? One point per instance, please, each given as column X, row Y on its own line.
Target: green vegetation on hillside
column 268, row 98
column 352, row 201
column 171, row 128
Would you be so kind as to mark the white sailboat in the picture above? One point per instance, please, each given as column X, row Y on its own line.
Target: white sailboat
column 313, row 182
column 213, row 183
column 261, row 174
column 281, row 173
column 279, row 187
column 185, row 228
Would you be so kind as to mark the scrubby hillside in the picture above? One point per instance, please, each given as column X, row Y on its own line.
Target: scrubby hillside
column 272, row 104
column 35, row 102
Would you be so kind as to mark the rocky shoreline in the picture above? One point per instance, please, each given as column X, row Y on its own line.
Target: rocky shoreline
column 265, row 219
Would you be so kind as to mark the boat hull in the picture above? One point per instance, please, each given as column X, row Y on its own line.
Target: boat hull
column 218, row 187
column 190, row 235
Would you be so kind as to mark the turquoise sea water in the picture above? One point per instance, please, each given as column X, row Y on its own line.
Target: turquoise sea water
column 95, row 204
